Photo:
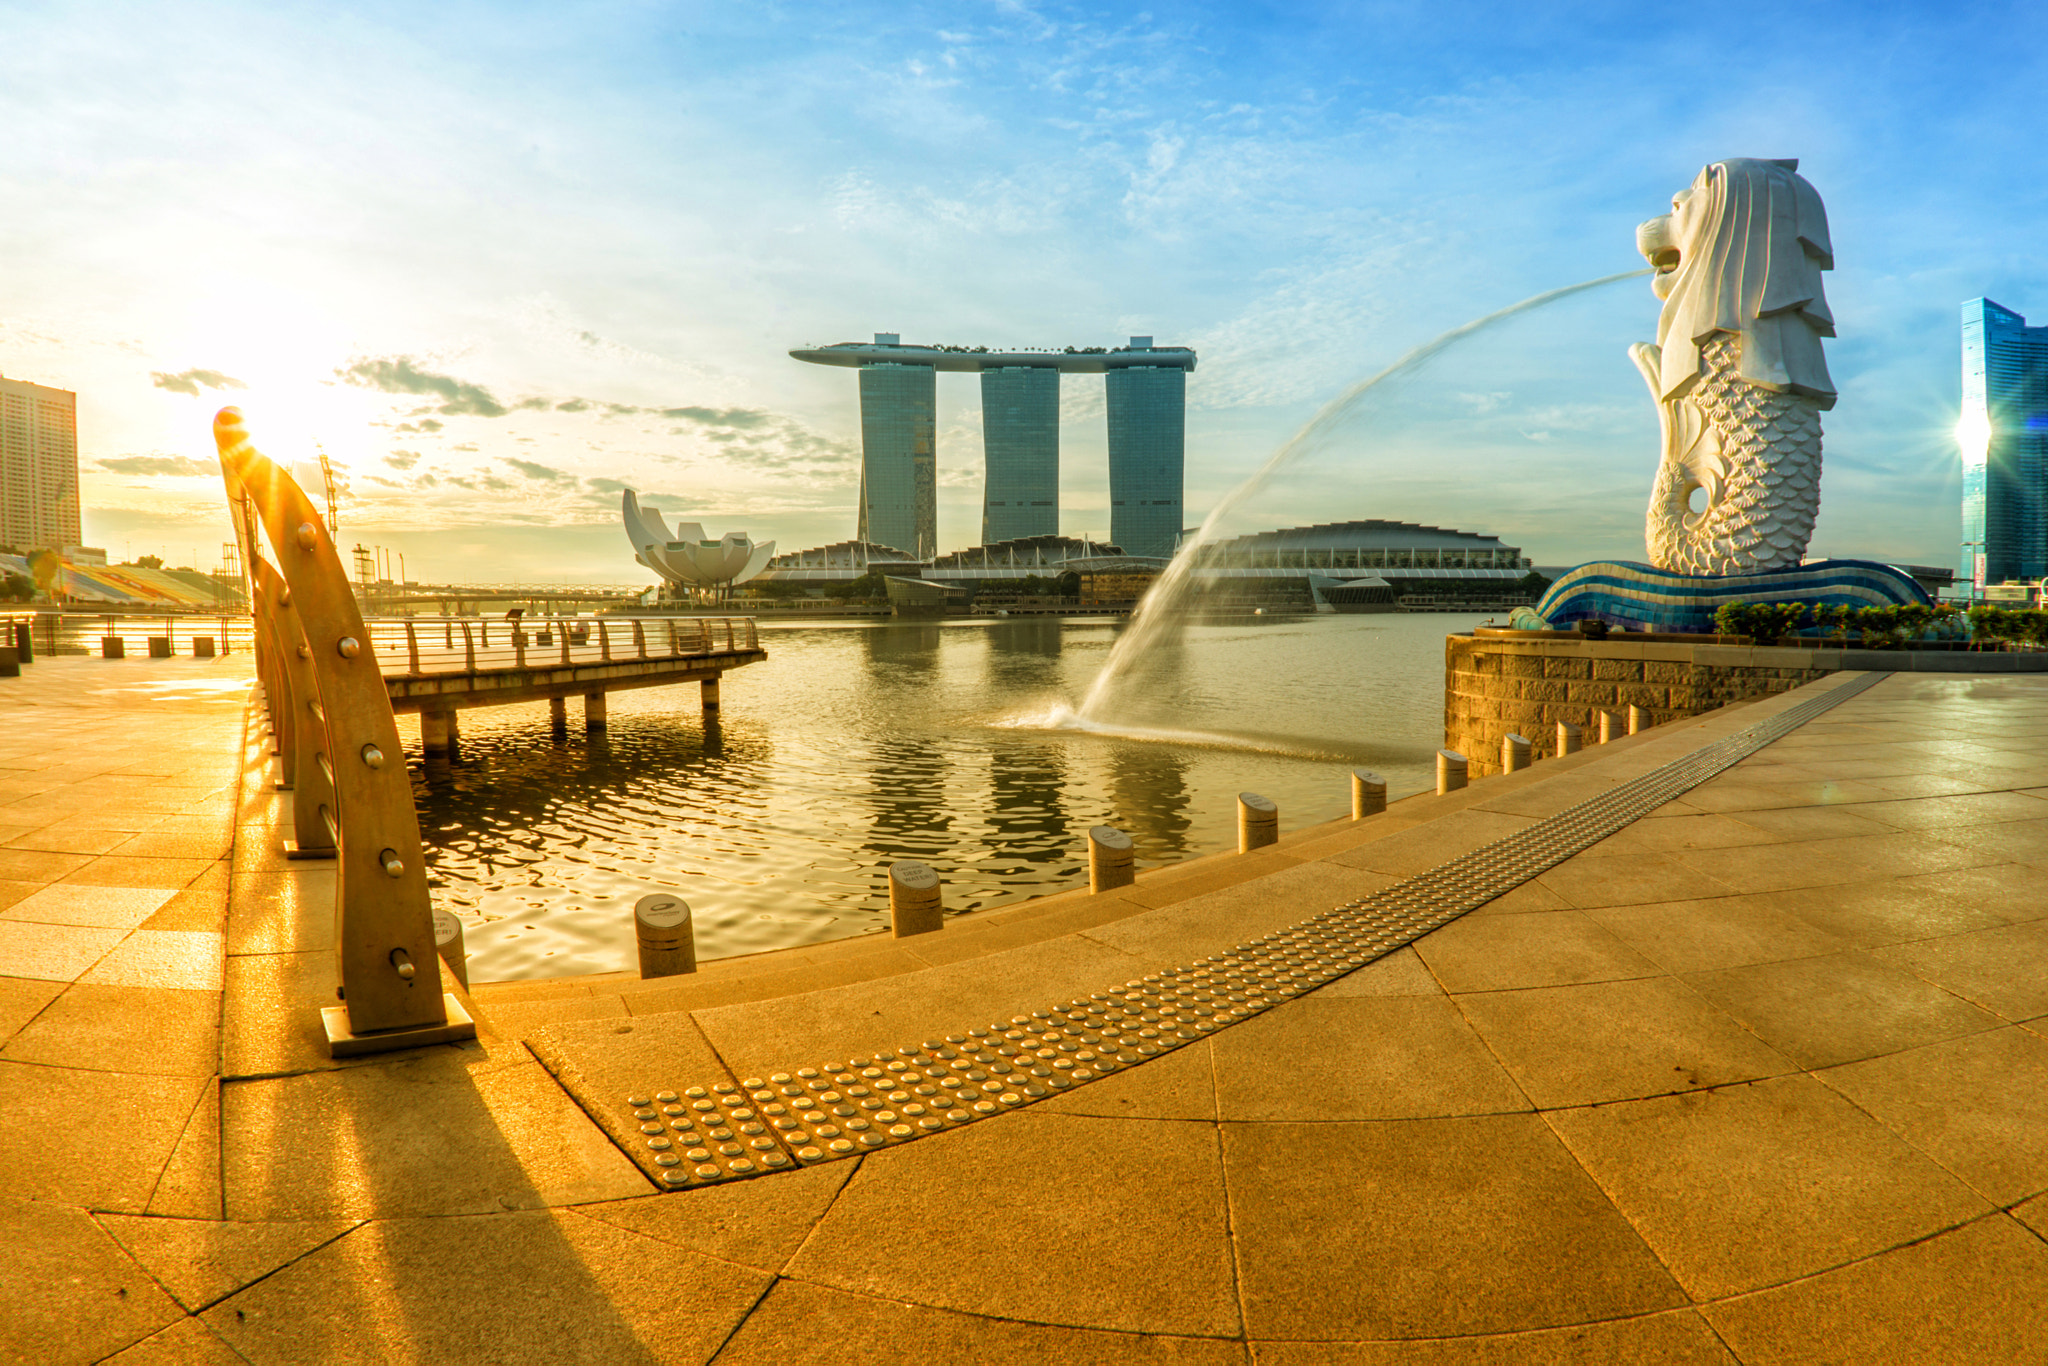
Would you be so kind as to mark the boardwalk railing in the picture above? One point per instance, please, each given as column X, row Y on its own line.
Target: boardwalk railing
column 442, row 645
column 338, row 739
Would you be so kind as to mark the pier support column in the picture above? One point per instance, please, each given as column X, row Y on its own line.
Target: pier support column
column 710, row 691
column 558, row 713
column 438, row 731
column 593, row 711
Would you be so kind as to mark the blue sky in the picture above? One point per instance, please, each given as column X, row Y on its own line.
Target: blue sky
column 498, row 260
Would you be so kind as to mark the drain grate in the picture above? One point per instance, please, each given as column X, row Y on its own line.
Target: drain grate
column 708, row 1134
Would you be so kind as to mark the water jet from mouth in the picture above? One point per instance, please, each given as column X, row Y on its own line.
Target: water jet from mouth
column 1159, row 613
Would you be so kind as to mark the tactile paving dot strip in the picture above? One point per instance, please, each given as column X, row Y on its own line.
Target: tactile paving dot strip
column 703, row 1135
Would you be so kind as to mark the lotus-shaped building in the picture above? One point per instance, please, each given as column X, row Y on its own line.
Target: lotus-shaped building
column 686, row 558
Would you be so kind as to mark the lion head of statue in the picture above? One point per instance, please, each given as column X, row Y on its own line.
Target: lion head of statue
column 1741, row 252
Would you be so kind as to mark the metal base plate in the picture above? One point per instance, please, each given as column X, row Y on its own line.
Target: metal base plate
column 341, row 1043
column 292, row 850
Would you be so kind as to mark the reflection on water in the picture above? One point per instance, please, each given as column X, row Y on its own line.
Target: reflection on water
column 858, row 744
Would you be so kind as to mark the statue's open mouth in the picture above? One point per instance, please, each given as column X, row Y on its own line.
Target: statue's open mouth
column 1665, row 260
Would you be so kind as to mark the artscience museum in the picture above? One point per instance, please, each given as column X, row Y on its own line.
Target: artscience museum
column 688, row 561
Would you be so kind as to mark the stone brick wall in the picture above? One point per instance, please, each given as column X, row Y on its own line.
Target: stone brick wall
column 1498, row 686
column 1506, row 683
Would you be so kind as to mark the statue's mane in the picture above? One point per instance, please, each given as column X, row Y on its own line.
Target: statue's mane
column 1755, row 243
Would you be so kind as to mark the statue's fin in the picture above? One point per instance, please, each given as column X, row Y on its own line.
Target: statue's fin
column 1649, row 358
column 1789, row 163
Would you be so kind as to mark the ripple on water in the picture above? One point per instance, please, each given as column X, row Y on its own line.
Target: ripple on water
column 857, row 745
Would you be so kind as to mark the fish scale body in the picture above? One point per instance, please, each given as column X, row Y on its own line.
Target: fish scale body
column 1770, row 447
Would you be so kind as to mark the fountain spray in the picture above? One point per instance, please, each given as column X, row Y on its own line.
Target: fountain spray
column 1159, row 612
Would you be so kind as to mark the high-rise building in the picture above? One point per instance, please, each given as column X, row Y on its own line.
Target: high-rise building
column 899, row 473
column 1020, row 415
column 1147, row 451
column 38, row 466
column 1020, row 442
column 2004, row 439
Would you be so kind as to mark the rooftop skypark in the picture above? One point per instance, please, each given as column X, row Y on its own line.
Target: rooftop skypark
column 1020, row 402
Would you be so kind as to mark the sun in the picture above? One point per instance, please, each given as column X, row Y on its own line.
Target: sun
column 1973, row 435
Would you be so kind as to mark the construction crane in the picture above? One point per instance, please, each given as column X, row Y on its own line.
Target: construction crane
column 327, row 478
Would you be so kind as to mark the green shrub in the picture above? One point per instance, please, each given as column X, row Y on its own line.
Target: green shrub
column 1833, row 619
column 1990, row 626
column 1763, row 623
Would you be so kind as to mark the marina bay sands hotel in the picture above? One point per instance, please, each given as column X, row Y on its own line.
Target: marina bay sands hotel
column 1020, row 404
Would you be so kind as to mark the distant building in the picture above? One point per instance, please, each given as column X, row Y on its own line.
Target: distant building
column 1147, row 451
column 2004, row 439
column 899, row 469
column 38, row 466
column 1425, row 566
column 1020, row 437
column 1020, row 442
column 689, row 562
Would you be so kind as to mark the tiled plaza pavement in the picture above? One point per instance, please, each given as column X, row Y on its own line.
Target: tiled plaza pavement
column 1762, row 1078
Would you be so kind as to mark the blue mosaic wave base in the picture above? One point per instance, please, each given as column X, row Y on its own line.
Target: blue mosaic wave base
column 1637, row 597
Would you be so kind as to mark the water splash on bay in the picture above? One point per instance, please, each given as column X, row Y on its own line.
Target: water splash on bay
column 1060, row 716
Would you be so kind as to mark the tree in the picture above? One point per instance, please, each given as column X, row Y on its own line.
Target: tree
column 149, row 562
column 16, row 587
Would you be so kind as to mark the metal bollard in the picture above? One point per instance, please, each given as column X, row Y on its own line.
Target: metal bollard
column 448, row 942
column 113, row 647
column 25, row 642
column 916, row 899
column 1450, row 771
column 1638, row 720
column 159, row 647
column 667, row 940
column 1110, row 859
column 1610, row 727
column 1569, row 738
column 1368, row 794
column 1258, row 822
column 10, row 662
column 1515, row 753
column 202, row 647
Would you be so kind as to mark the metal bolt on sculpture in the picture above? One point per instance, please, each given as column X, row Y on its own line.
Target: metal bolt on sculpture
column 336, row 703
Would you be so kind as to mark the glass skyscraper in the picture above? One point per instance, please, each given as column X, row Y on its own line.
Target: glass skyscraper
column 2004, row 439
column 899, row 471
column 1020, row 396
column 1147, row 447
column 1020, row 439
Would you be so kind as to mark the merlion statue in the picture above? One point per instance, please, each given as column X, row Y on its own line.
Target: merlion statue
column 1737, row 371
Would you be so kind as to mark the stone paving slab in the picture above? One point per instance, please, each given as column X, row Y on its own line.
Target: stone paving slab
column 1728, row 1112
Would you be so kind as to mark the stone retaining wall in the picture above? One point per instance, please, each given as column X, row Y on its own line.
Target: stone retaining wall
column 1495, row 686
